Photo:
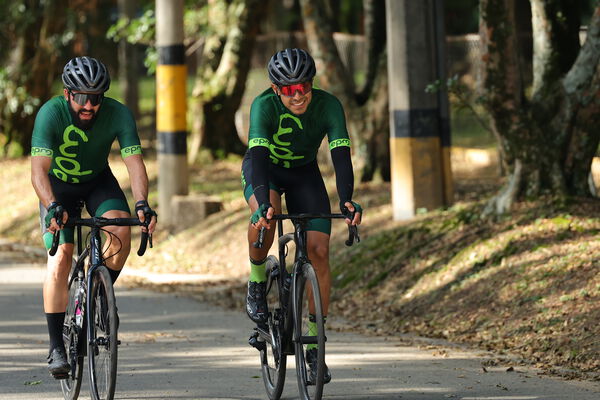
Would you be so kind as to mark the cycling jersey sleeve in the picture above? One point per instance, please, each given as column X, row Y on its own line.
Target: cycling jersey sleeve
column 44, row 132
column 344, row 174
column 129, row 140
column 259, row 155
column 337, row 133
column 339, row 145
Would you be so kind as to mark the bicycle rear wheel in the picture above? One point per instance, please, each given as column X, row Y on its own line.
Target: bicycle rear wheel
column 272, row 358
column 74, row 337
column 102, row 344
column 306, row 288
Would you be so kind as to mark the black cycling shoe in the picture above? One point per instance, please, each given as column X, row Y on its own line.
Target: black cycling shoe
column 256, row 302
column 311, row 360
column 57, row 363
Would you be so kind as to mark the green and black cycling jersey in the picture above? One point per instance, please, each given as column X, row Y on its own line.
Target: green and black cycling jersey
column 77, row 155
column 280, row 138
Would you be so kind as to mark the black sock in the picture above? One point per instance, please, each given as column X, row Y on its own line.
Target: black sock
column 113, row 274
column 55, row 329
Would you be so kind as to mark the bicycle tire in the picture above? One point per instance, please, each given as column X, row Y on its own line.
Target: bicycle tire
column 306, row 287
column 272, row 358
column 103, row 342
column 74, row 338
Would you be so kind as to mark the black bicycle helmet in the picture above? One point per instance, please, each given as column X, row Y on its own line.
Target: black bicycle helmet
column 86, row 74
column 291, row 66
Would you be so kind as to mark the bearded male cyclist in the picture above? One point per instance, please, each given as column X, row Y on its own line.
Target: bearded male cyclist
column 288, row 122
column 71, row 142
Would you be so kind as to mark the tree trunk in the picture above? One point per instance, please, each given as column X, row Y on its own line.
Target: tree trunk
column 32, row 66
column 548, row 138
column 367, row 111
column 221, row 79
column 128, row 62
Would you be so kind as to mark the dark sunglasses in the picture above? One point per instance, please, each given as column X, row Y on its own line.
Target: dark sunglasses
column 290, row 90
column 83, row 98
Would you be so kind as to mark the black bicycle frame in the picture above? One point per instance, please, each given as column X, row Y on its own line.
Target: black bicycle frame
column 286, row 278
column 95, row 262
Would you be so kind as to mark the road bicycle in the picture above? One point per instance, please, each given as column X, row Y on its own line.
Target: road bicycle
column 91, row 320
column 289, row 296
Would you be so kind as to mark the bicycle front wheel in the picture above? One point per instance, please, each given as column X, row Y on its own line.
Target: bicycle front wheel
column 74, row 337
column 272, row 357
column 103, row 342
column 306, row 290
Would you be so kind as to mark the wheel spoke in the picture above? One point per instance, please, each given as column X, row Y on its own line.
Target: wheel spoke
column 103, row 343
column 273, row 360
column 306, row 291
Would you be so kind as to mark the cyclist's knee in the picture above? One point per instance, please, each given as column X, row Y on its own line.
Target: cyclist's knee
column 319, row 251
column 59, row 265
column 123, row 233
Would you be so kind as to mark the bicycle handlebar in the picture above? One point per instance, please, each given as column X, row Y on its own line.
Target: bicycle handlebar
column 352, row 229
column 101, row 222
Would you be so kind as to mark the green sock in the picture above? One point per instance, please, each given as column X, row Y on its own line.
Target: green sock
column 313, row 330
column 258, row 271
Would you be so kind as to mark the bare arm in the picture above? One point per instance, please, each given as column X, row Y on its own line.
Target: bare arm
column 39, row 179
column 139, row 183
column 137, row 176
column 40, row 166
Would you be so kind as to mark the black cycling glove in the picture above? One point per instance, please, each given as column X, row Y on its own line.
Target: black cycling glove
column 143, row 206
column 55, row 210
column 261, row 212
column 345, row 211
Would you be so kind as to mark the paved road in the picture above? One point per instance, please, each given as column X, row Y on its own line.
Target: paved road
column 178, row 348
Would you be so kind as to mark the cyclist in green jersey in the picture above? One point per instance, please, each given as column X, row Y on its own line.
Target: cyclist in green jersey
column 71, row 141
column 288, row 122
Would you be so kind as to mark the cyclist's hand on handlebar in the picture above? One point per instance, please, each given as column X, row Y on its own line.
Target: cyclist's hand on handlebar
column 354, row 212
column 143, row 211
column 262, row 215
column 56, row 213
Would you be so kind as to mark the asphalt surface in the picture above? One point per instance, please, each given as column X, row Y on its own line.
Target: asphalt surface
column 178, row 348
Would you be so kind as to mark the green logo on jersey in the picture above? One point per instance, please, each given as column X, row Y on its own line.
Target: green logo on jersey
column 339, row 142
column 131, row 150
column 281, row 152
column 258, row 142
column 41, row 151
column 67, row 165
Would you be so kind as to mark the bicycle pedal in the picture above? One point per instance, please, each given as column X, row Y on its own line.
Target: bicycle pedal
column 257, row 344
column 60, row 376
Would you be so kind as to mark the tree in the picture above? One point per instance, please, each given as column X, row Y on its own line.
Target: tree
column 231, row 29
column 128, row 61
column 31, row 33
column 366, row 109
column 548, row 137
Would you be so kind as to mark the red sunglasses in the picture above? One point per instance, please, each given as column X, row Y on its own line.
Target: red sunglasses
column 290, row 90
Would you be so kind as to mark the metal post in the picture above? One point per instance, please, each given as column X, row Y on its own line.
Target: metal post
column 417, row 171
column 171, row 122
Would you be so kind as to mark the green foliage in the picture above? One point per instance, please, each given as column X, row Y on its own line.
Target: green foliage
column 470, row 121
column 14, row 98
column 140, row 30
